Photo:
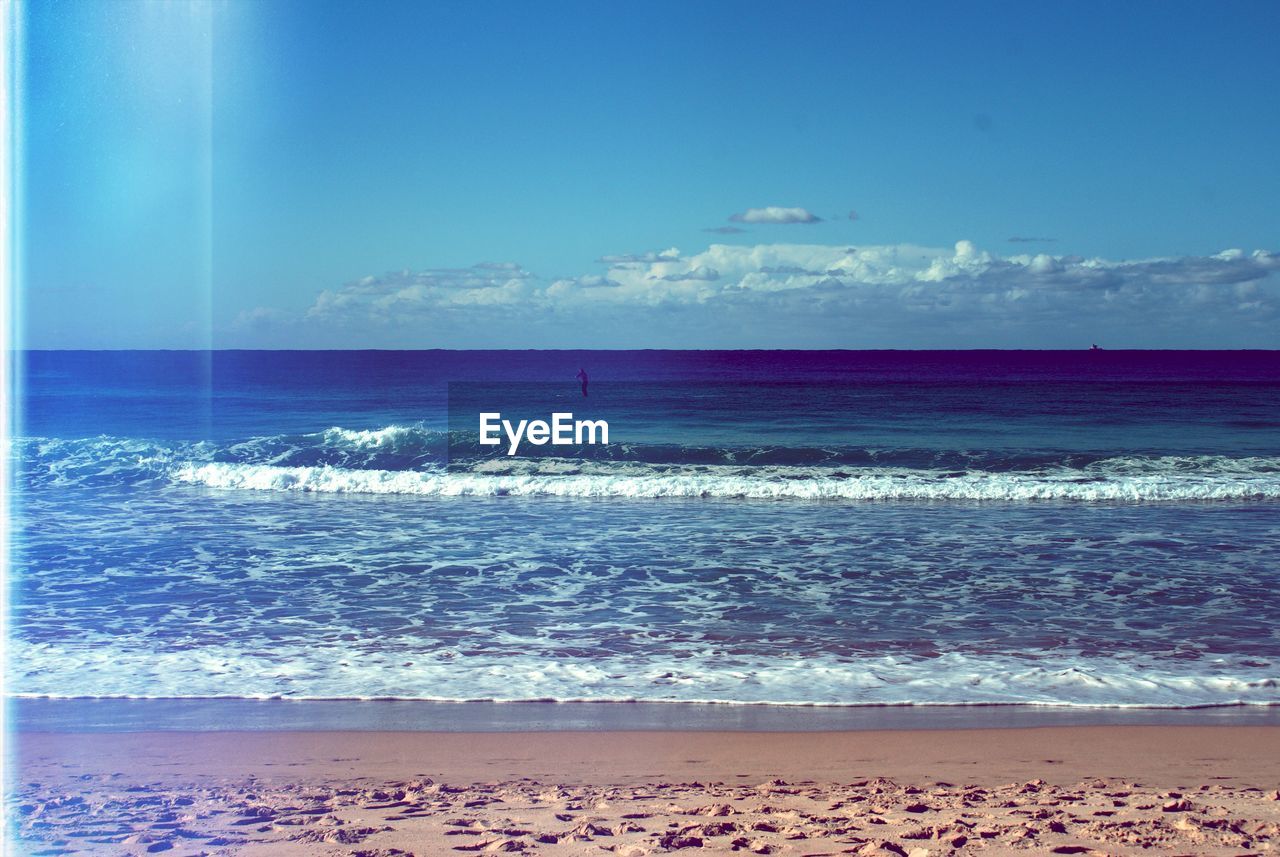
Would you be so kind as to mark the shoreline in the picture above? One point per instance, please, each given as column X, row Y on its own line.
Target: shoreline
column 1087, row 789
column 88, row 714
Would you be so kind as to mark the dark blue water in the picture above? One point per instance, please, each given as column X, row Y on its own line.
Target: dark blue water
column 829, row 527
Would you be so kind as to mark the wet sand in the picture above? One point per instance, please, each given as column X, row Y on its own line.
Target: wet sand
column 1067, row 790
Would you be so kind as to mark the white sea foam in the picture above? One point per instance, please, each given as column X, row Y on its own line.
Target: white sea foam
column 331, row 671
column 406, row 460
column 1127, row 479
column 370, row 439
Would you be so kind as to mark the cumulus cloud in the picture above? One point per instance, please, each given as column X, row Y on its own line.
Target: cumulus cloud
column 669, row 255
column 392, row 295
column 775, row 214
column 707, row 274
column 811, row 295
column 788, row 269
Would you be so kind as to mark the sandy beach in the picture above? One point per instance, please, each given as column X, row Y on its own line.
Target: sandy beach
column 1064, row 790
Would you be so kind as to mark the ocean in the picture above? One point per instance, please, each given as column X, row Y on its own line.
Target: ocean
column 788, row 527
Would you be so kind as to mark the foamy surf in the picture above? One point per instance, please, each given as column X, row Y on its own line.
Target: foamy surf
column 413, row 460
column 1120, row 480
column 328, row 671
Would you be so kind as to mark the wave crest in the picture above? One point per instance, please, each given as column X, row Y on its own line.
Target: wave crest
column 108, row 667
column 415, row 460
column 1118, row 480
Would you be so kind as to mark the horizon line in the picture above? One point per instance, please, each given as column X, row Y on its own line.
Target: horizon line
column 1088, row 350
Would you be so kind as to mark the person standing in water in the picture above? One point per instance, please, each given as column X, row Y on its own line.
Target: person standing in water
column 582, row 376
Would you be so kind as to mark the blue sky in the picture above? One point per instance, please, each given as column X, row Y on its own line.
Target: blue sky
column 302, row 174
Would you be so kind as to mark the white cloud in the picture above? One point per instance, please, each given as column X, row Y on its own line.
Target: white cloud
column 699, row 273
column 775, row 214
column 402, row 293
column 669, row 255
column 829, row 295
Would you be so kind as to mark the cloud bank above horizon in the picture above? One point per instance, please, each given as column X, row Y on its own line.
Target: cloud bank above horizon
column 800, row 295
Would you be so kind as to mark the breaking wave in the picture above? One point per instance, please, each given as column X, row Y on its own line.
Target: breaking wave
column 1123, row 481
column 412, row 460
column 294, row 671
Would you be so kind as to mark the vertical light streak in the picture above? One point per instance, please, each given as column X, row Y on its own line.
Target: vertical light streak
column 10, row 353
